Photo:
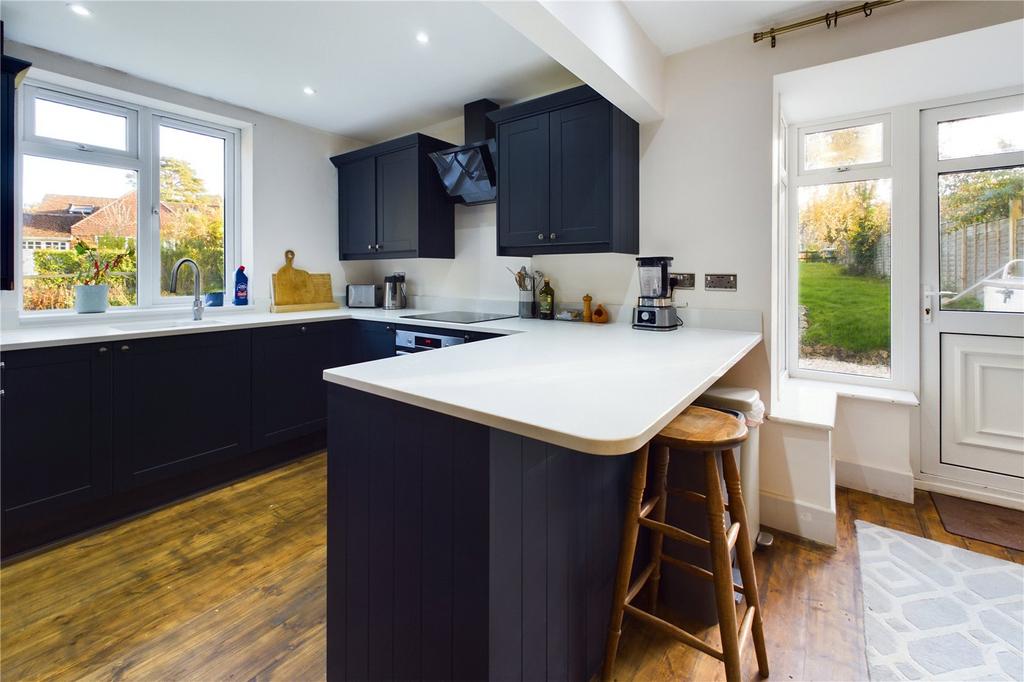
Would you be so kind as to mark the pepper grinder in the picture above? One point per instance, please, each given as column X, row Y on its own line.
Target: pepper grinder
column 588, row 315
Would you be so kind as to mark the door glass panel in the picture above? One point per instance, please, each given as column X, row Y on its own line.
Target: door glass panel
column 981, row 240
column 844, row 271
column 77, row 124
column 844, row 147
column 79, row 226
column 981, row 135
column 191, row 209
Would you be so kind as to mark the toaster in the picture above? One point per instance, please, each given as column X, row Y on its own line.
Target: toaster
column 363, row 296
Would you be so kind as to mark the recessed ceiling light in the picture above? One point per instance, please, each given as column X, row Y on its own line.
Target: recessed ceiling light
column 80, row 10
column 308, row 90
column 422, row 38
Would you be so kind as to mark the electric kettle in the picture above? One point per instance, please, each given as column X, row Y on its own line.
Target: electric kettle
column 394, row 291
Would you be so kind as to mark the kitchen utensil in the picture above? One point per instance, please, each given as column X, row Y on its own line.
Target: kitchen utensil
column 600, row 314
column 394, row 291
column 588, row 313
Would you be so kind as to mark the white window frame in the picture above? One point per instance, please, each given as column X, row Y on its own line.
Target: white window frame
column 796, row 178
column 839, row 124
column 141, row 156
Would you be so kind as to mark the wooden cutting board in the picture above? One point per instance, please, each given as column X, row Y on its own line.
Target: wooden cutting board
column 294, row 290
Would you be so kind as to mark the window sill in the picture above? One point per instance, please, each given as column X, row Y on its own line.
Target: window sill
column 805, row 402
column 67, row 317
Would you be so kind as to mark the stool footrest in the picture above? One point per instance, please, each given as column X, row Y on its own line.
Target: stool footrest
column 675, row 533
column 690, row 496
column 745, row 626
column 732, row 535
column 675, row 632
column 649, row 506
column 639, row 583
column 693, row 570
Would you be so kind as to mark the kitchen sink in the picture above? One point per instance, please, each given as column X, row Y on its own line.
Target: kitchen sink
column 163, row 324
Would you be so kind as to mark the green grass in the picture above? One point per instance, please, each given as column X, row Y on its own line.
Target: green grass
column 845, row 312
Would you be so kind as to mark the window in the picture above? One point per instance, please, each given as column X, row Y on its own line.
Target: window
column 133, row 185
column 840, row 215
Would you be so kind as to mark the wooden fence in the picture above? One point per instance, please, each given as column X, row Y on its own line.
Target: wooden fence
column 968, row 255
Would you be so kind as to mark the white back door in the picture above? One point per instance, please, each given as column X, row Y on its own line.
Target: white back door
column 972, row 265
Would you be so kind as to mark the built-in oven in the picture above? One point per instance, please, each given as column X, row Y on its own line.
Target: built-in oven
column 408, row 341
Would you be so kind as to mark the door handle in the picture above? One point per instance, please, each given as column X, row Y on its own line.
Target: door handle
column 929, row 301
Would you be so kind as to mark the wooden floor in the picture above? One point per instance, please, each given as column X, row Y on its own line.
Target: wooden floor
column 230, row 585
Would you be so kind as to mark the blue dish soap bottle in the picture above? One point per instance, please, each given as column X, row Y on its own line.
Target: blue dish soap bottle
column 241, row 286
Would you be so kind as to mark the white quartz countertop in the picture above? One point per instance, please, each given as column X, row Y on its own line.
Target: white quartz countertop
column 600, row 389
column 115, row 326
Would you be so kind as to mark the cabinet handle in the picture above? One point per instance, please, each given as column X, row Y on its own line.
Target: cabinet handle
column 540, row 235
column 302, row 329
column 369, row 247
column 378, row 247
column 125, row 348
column 553, row 236
column 102, row 349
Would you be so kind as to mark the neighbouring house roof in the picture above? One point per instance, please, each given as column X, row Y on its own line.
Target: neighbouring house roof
column 54, row 203
column 48, row 225
column 116, row 219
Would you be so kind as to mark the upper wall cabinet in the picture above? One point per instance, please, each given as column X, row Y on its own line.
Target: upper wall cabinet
column 568, row 176
column 391, row 204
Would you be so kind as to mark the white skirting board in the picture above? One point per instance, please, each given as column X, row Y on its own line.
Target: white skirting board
column 807, row 520
column 896, row 485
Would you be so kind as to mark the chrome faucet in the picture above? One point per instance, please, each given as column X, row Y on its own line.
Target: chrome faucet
column 197, row 303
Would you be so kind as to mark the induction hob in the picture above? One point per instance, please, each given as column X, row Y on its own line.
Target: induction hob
column 459, row 317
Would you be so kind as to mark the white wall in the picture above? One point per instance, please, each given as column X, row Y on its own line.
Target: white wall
column 294, row 189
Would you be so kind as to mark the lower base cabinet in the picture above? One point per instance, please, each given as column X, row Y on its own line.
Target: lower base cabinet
column 180, row 402
column 96, row 432
column 55, row 438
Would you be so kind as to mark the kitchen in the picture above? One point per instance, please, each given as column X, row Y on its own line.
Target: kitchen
column 203, row 495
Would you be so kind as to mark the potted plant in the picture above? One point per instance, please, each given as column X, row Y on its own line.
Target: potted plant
column 92, row 290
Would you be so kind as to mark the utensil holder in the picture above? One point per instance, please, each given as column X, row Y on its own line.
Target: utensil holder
column 527, row 302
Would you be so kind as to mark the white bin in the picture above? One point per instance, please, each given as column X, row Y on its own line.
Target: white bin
column 748, row 402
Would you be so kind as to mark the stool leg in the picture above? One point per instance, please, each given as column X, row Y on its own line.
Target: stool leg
column 630, row 529
column 658, row 513
column 745, row 557
column 721, row 567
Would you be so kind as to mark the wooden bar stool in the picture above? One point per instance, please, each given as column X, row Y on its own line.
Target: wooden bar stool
column 709, row 434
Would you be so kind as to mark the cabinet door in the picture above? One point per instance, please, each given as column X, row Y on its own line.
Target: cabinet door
column 398, row 201
column 523, row 182
column 55, row 446
column 357, row 216
column 182, row 403
column 373, row 341
column 289, row 397
column 581, row 174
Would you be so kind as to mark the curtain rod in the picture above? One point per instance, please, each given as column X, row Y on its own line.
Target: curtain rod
column 830, row 19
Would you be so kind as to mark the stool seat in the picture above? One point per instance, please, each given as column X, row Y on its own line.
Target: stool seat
column 700, row 428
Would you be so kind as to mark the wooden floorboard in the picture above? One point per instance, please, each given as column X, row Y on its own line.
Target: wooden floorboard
column 231, row 585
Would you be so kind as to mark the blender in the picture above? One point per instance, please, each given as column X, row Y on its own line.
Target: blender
column 654, row 308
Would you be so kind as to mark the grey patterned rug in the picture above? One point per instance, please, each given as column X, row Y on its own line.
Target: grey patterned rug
column 937, row 612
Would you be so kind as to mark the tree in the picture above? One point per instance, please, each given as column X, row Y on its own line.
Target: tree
column 971, row 198
column 179, row 182
column 847, row 217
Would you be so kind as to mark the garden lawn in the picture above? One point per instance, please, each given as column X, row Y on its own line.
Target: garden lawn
column 844, row 311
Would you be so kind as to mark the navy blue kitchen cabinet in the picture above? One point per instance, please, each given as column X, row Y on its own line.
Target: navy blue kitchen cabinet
column 289, row 396
column 568, row 176
column 371, row 341
column 391, row 203
column 57, row 429
column 181, row 403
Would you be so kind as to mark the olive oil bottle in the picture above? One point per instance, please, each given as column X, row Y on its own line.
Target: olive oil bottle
column 546, row 301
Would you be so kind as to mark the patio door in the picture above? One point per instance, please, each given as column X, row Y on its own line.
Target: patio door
column 972, row 264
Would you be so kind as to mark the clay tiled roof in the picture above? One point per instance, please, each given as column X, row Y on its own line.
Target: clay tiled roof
column 48, row 225
column 117, row 219
column 54, row 203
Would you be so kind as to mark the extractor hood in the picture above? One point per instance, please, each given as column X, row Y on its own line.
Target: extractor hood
column 468, row 172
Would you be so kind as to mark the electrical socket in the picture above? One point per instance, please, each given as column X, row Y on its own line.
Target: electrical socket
column 720, row 282
column 684, row 280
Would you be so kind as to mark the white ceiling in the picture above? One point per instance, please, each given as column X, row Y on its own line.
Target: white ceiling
column 678, row 26
column 373, row 79
column 982, row 60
